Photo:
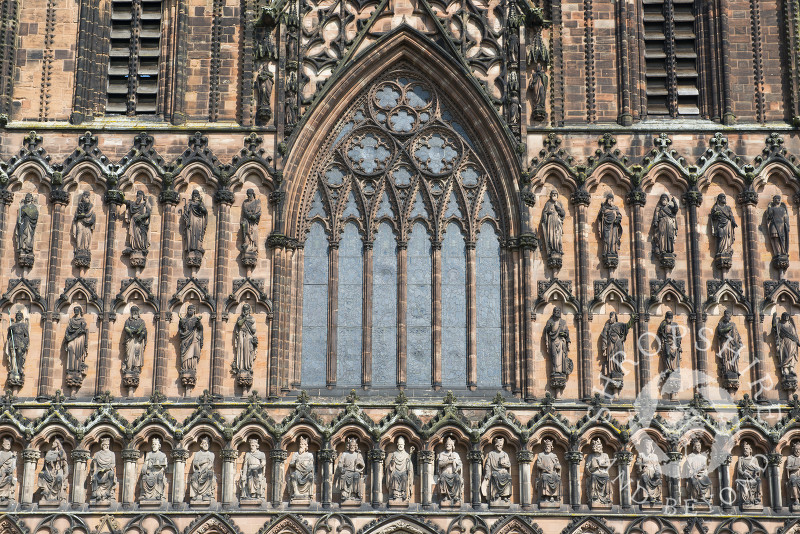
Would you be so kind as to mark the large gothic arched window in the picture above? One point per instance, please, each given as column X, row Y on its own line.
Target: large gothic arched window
column 402, row 255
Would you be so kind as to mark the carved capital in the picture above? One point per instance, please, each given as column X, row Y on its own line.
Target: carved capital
column 229, row 455
column 624, row 457
column 525, row 457
column 277, row 241
column 224, row 196
column 30, row 455
column 59, row 196
column 180, row 455
column 675, row 456
column 130, row 455
column 426, row 457
column 115, row 197
column 581, row 197
column 168, row 196
column 475, row 456
column 80, row 455
column 528, row 241
column 727, row 459
column 573, row 457
column 327, row 455
column 693, row 198
column 278, row 455
column 636, row 197
column 748, row 197
column 6, row 196
column 276, row 196
column 376, row 455
column 774, row 458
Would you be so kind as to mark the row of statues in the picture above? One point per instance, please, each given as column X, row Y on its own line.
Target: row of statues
column 665, row 231
column 194, row 219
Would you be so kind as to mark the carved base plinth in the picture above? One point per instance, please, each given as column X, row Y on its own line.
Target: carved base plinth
column 781, row 262
column 652, row 506
column 611, row 261
column 46, row 503
column 500, row 503
column 615, row 381
column 188, row 379
column 194, row 258
column 698, row 506
column 730, row 382
column 83, row 258
column 550, row 505
column 24, row 259
column 5, row 503
column 398, row 503
column 149, row 503
column 723, row 261
column 447, row 503
column 667, row 260
column 600, row 506
column 130, row 379
column 300, row 503
column 251, row 503
column 100, row 504
column 75, row 378
column 539, row 114
column 245, row 379
column 136, row 257
column 15, row 380
column 351, row 502
column 554, row 261
column 753, row 507
column 558, row 380
column 197, row 502
column 249, row 259
column 794, row 507
column 789, row 383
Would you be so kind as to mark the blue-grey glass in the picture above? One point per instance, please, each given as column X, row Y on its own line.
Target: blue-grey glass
column 334, row 175
column 368, row 153
column 418, row 314
column 454, row 309
column 351, row 208
column 402, row 176
column 384, row 308
column 453, row 208
column 470, row 176
column 317, row 208
column 418, row 97
column 315, row 308
column 402, row 121
column 487, row 210
column 385, row 209
column 419, row 207
column 437, row 154
column 348, row 346
column 387, row 96
column 487, row 274
column 346, row 129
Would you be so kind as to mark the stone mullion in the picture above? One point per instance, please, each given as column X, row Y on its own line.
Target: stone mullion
column 30, row 457
column 636, row 199
column 625, row 117
column 506, row 324
column 528, row 366
column 179, row 457
column 708, row 28
column 366, row 315
column 436, row 314
column 6, row 198
column 402, row 311
column 59, row 199
column 129, row 457
column 104, row 354
column 80, row 458
column 693, row 199
column 581, row 200
column 333, row 313
column 297, row 349
column 727, row 112
column 472, row 317
column 224, row 199
column 169, row 201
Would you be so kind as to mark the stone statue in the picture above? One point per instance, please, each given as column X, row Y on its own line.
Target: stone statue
column 549, row 482
column 722, row 226
column 695, row 470
column 553, row 229
column 202, row 479
column 195, row 219
column 76, row 343
column 102, row 474
column 53, row 478
column 25, row 231
column 302, row 475
column 537, row 87
column 612, row 347
column 82, row 229
column 793, row 476
column 778, row 232
column 154, row 474
column 190, row 330
column 597, row 465
column 251, row 215
column 253, row 479
column 669, row 336
column 348, row 472
column 8, row 473
column 650, row 481
column 556, row 340
column 786, row 343
column 749, row 473
column 400, row 473
column 496, row 485
column 609, row 226
column 265, row 80
column 730, row 346
column 245, row 343
column 135, row 342
column 451, row 474
column 16, row 349
column 665, row 230
column 138, row 218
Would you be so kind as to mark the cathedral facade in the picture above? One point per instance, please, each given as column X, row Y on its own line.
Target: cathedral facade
column 399, row 266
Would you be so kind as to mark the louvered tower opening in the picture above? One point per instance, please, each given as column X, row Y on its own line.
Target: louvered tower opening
column 134, row 57
column 671, row 58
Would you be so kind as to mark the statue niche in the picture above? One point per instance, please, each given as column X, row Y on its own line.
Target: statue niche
column 76, row 345
column 83, row 224
column 8, row 473
column 16, row 349
column 137, row 217
column 195, row 219
column 301, row 474
column 25, row 231
column 190, row 332
column 135, row 341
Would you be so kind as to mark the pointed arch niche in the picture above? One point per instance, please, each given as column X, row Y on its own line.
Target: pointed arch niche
column 405, row 212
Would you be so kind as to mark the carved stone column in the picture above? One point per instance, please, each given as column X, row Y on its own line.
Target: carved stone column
column 623, row 468
column 475, row 457
column 528, row 244
column 524, row 458
column 169, row 200
column 402, row 314
column 80, row 457
column 326, row 457
column 693, row 199
column 228, row 472
column 580, row 199
column 278, row 456
column 179, row 457
column 224, row 198
column 366, row 316
column 775, row 459
column 129, row 457
column 333, row 312
column 30, row 457
column 727, row 494
column 426, row 458
column 436, row 313
column 636, row 199
column 675, row 458
column 6, row 198
column 472, row 317
column 376, row 457
column 574, row 458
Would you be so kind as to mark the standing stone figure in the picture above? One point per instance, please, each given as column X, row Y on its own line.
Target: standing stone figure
column 138, row 219
column 251, row 215
column 400, row 473
column 82, row 229
column 265, row 80
column 25, row 231
column 730, row 346
column 650, row 474
column 556, row 340
column 348, row 472
column 695, row 471
column 102, row 474
column 202, row 479
column 76, row 343
column 778, row 232
column 786, row 343
column 722, row 226
column 549, row 482
column 669, row 335
column 553, row 229
column 53, row 478
column 451, row 474
column 609, row 226
column 302, row 475
column 8, row 473
column 612, row 347
column 665, row 230
column 749, row 472
column 793, row 476
column 597, row 465
column 190, row 330
column 135, row 341
column 195, row 219
column 154, row 478
column 253, row 479
column 16, row 349
column 245, row 343
column 496, row 485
